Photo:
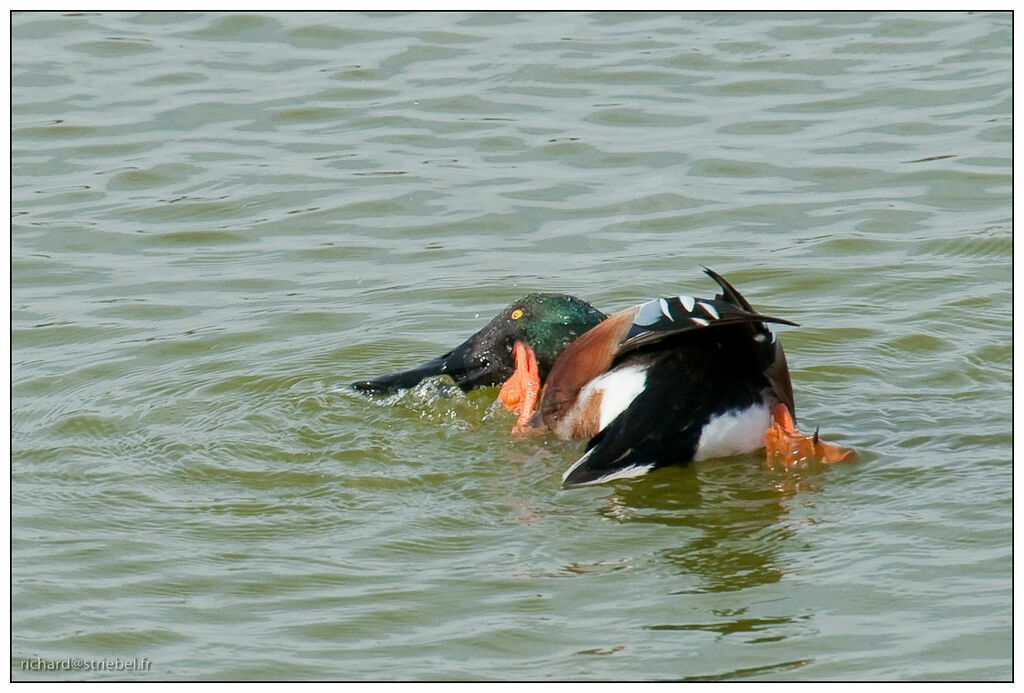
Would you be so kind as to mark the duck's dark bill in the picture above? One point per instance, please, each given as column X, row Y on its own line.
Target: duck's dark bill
column 386, row 384
column 467, row 365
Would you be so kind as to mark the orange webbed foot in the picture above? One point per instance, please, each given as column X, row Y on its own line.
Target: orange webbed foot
column 786, row 446
column 520, row 392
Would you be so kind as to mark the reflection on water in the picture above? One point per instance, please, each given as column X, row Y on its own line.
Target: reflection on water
column 732, row 511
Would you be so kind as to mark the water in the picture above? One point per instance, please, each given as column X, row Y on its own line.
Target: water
column 222, row 220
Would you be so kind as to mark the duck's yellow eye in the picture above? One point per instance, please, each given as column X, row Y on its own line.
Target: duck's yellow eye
column 517, row 313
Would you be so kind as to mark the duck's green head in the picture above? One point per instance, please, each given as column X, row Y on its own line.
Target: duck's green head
column 547, row 323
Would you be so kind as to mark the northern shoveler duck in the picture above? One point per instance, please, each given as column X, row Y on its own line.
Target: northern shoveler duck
column 664, row 382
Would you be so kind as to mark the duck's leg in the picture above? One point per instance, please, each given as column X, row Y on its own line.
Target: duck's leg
column 785, row 445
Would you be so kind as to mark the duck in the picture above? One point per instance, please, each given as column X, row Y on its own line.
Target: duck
column 665, row 382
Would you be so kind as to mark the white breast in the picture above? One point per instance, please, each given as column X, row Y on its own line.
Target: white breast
column 619, row 388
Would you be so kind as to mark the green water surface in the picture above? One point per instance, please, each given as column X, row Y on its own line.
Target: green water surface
column 221, row 220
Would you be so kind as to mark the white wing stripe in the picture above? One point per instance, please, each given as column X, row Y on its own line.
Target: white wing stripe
column 664, row 309
column 709, row 309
